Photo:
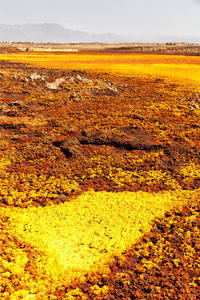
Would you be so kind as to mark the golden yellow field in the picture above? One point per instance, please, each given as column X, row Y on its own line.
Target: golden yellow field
column 178, row 68
column 99, row 177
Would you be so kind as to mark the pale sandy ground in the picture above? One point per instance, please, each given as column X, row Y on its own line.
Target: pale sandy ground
column 173, row 48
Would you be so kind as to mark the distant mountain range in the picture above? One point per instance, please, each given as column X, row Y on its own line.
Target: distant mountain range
column 54, row 33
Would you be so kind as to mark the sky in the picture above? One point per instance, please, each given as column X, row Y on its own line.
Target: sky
column 124, row 17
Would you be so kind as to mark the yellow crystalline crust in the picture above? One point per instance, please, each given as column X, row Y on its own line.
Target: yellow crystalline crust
column 179, row 68
column 77, row 237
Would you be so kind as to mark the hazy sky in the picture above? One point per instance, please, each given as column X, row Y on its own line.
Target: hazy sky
column 166, row 17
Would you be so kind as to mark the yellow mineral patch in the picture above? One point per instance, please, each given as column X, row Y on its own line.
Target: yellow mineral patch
column 180, row 69
column 83, row 235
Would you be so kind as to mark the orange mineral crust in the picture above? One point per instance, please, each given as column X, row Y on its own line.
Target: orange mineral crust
column 99, row 176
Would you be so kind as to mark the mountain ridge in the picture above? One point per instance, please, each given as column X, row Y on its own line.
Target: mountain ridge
column 50, row 32
column 55, row 33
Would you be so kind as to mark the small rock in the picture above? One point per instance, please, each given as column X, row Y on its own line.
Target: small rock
column 194, row 106
column 79, row 78
column 34, row 76
column 71, row 79
column 88, row 81
column 55, row 85
column 113, row 89
column 15, row 104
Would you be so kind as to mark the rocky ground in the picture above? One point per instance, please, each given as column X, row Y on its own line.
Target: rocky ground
column 95, row 129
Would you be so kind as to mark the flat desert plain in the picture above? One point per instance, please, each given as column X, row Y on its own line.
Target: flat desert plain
column 99, row 175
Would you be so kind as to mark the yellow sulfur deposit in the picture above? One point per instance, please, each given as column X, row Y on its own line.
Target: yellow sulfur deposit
column 82, row 235
column 182, row 69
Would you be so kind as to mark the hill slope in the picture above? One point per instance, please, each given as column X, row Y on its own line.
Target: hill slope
column 42, row 33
